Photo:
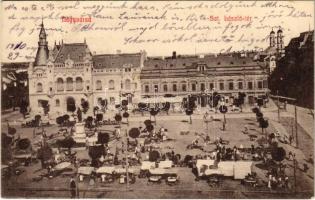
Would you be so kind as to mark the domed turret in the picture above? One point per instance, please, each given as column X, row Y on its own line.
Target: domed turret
column 280, row 43
column 272, row 32
column 272, row 39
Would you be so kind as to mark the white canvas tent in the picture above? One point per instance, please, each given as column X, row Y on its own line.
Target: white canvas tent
column 227, row 167
column 157, row 171
column 213, row 171
column 105, row 170
column 123, row 170
column 85, row 170
column 203, row 164
column 146, row 165
column 242, row 168
column 165, row 164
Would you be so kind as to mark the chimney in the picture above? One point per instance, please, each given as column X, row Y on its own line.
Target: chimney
column 174, row 55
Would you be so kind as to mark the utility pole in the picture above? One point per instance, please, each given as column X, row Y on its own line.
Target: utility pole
column 296, row 126
column 77, row 181
column 278, row 105
column 127, row 163
column 294, row 168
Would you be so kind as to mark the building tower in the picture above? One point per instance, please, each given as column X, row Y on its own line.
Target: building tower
column 272, row 39
column 279, row 42
column 42, row 51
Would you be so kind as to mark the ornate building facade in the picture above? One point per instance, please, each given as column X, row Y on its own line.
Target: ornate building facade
column 202, row 75
column 69, row 73
column 61, row 77
column 117, row 77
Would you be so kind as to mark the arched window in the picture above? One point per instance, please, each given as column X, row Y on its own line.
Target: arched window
column 211, row 86
column 57, row 102
column 60, row 86
column 231, row 85
column 165, row 88
column 202, row 87
column 69, row 85
column 39, row 87
column 184, row 87
column 111, row 85
column 156, row 88
column 221, row 85
column 193, row 87
column 146, row 89
column 98, row 85
column 174, row 88
column 79, row 84
column 127, row 84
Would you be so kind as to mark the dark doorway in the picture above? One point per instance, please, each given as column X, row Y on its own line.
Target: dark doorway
column 70, row 104
column 203, row 101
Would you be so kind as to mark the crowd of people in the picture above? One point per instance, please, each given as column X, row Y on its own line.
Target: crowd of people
column 139, row 149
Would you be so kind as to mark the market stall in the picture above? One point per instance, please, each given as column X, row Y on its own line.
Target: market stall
column 84, row 171
column 166, row 164
column 203, row 165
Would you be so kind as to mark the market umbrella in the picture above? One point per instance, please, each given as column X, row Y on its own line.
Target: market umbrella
column 105, row 170
column 157, row 171
column 62, row 165
column 171, row 171
column 85, row 170
column 213, row 171
column 123, row 170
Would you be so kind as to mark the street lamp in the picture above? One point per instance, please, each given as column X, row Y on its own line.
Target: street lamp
column 105, row 92
column 127, row 161
column 212, row 97
column 212, row 102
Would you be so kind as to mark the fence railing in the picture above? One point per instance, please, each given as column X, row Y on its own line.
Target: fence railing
column 84, row 192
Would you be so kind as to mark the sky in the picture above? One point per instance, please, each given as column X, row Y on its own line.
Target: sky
column 159, row 27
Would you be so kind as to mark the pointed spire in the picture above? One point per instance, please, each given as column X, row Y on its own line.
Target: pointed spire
column 42, row 51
